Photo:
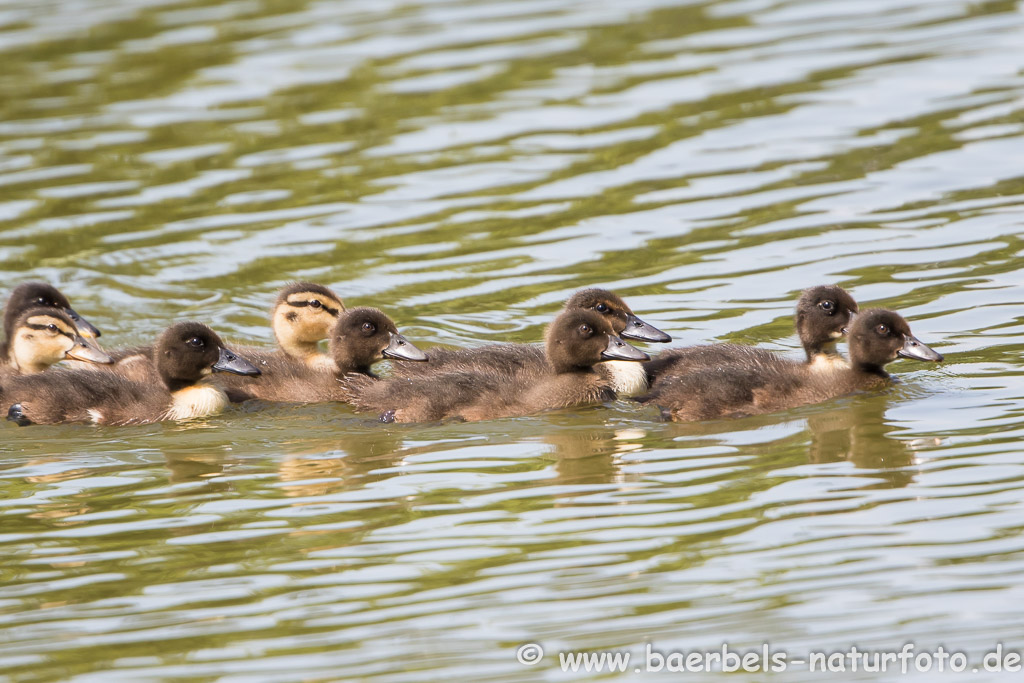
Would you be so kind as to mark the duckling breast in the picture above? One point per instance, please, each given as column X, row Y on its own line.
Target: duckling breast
column 626, row 378
column 199, row 400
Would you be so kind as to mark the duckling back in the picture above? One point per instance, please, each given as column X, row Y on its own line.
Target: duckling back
column 284, row 379
column 66, row 395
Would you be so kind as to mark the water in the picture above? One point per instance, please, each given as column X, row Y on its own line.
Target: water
column 466, row 166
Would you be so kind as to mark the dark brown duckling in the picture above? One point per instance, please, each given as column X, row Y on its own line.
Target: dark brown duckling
column 361, row 337
column 39, row 294
column 303, row 315
column 823, row 314
column 42, row 337
column 575, row 343
column 185, row 356
column 766, row 383
column 626, row 377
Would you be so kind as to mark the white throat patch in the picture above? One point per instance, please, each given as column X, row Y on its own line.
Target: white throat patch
column 628, row 378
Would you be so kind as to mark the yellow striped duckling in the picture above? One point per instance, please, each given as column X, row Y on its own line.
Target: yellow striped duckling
column 41, row 337
column 361, row 337
column 186, row 354
column 575, row 343
column 765, row 382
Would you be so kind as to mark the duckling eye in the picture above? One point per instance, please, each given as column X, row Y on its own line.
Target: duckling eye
column 828, row 306
column 315, row 303
column 602, row 308
column 52, row 328
column 195, row 343
column 585, row 330
column 882, row 329
column 369, row 327
column 42, row 301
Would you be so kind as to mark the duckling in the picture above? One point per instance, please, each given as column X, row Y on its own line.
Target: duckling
column 627, row 378
column 302, row 316
column 361, row 337
column 39, row 294
column 185, row 355
column 44, row 336
column 822, row 315
column 575, row 343
column 765, row 383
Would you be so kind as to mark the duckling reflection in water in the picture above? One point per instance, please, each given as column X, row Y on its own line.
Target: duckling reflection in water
column 823, row 315
column 858, row 433
column 763, row 383
column 625, row 377
column 186, row 354
column 575, row 342
column 361, row 337
column 41, row 337
column 302, row 317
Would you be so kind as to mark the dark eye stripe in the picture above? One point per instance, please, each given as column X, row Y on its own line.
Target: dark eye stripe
column 43, row 327
column 302, row 304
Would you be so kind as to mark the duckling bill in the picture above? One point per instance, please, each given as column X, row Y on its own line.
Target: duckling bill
column 185, row 355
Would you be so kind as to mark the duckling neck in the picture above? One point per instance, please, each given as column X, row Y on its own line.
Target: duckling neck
column 826, row 350
column 565, row 368
column 174, row 384
column 870, row 370
column 343, row 361
column 308, row 352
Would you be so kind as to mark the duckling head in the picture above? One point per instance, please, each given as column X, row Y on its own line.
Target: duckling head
column 189, row 351
column 611, row 306
column 44, row 336
column 303, row 316
column 39, row 294
column 823, row 315
column 579, row 339
column 362, row 336
column 878, row 337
